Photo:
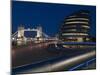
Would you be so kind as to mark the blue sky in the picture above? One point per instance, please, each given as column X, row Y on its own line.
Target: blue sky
column 50, row 16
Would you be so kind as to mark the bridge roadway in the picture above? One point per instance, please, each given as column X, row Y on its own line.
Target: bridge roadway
column 30, row 53
column 35, row 53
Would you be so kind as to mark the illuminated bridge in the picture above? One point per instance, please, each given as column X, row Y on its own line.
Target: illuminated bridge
column 19, row 35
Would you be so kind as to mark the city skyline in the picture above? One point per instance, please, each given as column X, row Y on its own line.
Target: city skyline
column 49, row 16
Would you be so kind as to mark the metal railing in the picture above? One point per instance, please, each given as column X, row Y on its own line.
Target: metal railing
column 59, row 64
column 85, row 64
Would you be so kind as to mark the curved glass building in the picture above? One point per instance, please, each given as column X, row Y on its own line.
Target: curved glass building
column 75, row 27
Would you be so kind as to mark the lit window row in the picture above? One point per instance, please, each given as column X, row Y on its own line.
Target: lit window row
column 78, row 19
column 68, row 26
column 71, row 30
column 81, row 30
column 76, row 22
column 74, row 34
column 71, row 37
column 85, row 26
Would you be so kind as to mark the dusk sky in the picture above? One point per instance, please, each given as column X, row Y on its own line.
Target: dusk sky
column 49, row 16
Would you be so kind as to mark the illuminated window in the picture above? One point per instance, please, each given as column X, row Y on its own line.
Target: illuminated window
column 77, row 19
column 85, row 26
column 74, row 34
column 71, row 30
column 68, row 26
column 76, row 22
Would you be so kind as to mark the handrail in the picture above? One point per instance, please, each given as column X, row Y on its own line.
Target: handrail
column 82, row 64
column 57, row 65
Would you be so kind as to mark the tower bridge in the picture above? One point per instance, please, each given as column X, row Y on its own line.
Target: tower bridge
column 20, row 38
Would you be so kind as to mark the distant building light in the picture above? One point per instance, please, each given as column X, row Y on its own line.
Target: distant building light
column 13, row 38
column 28, row 28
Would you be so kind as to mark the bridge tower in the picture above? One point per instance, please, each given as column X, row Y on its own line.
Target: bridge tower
column 21, row 38
column 39, row 36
